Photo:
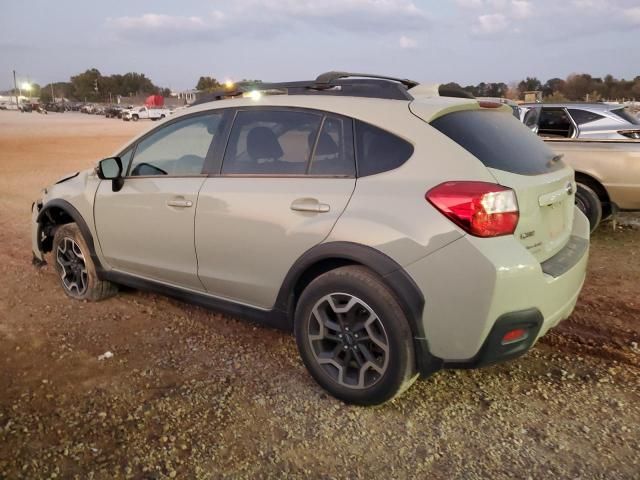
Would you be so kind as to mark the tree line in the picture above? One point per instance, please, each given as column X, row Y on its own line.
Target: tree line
column 92, row 86
column 576, row 87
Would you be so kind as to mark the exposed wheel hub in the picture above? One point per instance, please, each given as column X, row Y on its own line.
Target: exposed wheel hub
column 348, row 340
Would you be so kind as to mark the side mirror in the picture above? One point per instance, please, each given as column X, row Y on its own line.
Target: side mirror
column 111, row 169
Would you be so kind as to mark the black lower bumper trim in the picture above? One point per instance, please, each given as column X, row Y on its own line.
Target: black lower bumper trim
column 493, row 351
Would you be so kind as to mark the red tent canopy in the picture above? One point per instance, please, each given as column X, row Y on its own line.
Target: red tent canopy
column 154, row 101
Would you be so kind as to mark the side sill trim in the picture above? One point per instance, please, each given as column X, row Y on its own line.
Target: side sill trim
column 271, row 318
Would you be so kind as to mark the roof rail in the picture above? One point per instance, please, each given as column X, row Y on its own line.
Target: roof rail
column 329, row 77
column 341, row 84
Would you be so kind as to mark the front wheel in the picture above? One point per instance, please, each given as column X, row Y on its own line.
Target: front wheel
column 354, row 337
column 588, row 202
column 135, row 118
column 75, row 268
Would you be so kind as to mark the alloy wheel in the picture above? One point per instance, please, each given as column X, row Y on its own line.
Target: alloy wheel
column 73, row 268
column 348, row 340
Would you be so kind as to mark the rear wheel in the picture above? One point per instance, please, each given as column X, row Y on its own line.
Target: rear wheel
column 135, row 118
column 75, row 268
column 588, row 202
column 354, row 337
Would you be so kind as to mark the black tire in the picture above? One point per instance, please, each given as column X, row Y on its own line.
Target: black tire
column 369, row 292
column 67, row 243
column 588, row 202
column 135, row 118
column 162, row 116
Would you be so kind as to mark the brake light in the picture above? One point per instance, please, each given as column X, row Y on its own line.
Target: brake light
column 482, row 209
column 489, row 104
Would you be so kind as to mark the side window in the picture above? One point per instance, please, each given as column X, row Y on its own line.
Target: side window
column 378, row 150
column 583, row 116
column 179, row 149
column 555, row 122
column 271, row 142
column 531, row 118
column 333, row 153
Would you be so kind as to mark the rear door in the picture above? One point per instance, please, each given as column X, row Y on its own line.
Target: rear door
column 543, row 184
column 286, row 177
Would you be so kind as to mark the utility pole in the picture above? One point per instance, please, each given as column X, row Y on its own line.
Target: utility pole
column 15, row 89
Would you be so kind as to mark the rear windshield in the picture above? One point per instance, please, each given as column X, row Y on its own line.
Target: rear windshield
column 626, row 115
column 499, row 141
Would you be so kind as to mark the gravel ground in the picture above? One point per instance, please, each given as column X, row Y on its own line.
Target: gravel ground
column 189, row 393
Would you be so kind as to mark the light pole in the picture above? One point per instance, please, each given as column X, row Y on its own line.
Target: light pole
column 15, row 90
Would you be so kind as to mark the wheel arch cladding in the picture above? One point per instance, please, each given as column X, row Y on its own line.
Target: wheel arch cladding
column 328, row 256
column 60, row 212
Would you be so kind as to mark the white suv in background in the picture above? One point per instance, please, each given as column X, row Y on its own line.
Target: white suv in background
column 396, row 230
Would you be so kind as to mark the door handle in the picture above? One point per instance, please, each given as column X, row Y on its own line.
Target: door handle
column 180, row 203
column 309, row 205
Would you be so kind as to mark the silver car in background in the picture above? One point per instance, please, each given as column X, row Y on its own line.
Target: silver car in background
column 581, row 120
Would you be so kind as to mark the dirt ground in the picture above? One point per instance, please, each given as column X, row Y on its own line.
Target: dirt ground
column 193, row 394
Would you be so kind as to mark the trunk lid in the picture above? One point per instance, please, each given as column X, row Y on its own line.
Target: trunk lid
column 520, row 160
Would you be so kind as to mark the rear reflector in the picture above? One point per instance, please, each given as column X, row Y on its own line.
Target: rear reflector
column 514, row 336
column 480, row 208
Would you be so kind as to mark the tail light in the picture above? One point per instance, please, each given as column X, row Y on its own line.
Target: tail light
column 480, row 208
column 634, row 134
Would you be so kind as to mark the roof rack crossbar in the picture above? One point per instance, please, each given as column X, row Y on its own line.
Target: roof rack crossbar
column 328, row 77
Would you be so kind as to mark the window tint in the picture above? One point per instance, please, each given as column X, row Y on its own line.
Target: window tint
column 378, row 150
column 626, row 115
column 555, row 122
column 271, row 142
column 178, row 149
column 499, row 141
column 531, row 118
column 333, row 154
column 583, row 116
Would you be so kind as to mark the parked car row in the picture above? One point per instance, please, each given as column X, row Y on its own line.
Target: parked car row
column 602, row 144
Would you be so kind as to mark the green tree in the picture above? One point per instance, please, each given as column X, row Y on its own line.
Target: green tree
column 530, row 84
column 208, row 84
column 85, row 84
column 553, row 86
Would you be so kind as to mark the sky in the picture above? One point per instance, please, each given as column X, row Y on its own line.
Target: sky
column 434, row 41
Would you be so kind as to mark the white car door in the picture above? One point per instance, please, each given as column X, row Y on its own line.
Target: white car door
column 281, row 189
column 147, row 228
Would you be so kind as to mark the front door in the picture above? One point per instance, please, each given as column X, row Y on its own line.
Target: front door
column 147, row 228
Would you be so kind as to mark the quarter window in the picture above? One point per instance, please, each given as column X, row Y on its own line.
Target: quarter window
column 378, row 150
column 179, row 149
column 333, row 153
column 583, row 116
column 270, row 142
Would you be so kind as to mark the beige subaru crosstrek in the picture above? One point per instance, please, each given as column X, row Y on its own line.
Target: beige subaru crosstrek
column 396, row 229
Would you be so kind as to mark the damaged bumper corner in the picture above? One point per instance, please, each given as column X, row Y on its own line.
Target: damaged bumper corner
column 38, row 256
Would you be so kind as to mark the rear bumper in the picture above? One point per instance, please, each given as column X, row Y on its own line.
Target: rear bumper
column 494, row 350
column 475, row 288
